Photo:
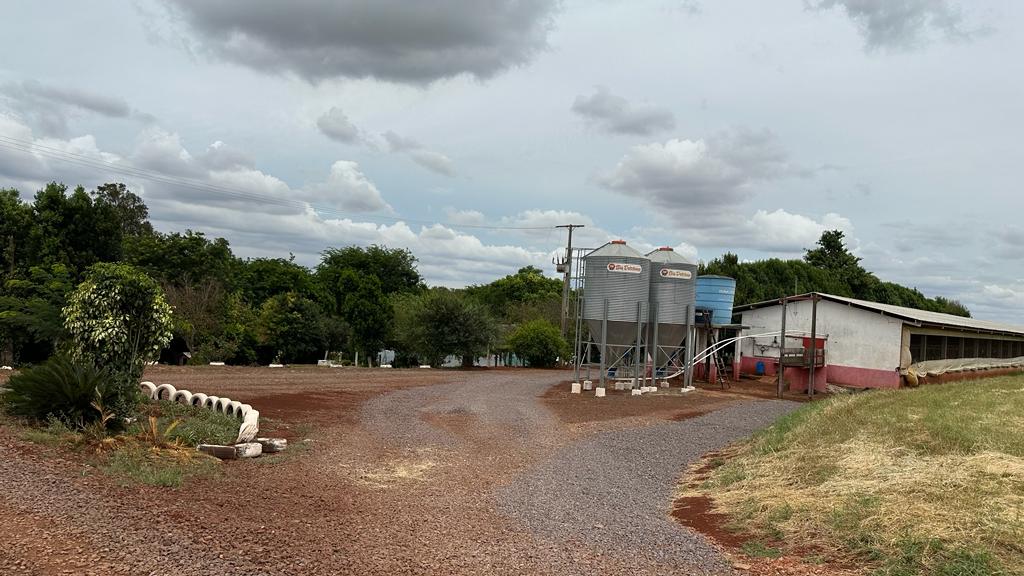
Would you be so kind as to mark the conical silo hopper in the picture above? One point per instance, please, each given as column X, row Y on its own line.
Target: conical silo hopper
column 621, row 276
column 673, row 291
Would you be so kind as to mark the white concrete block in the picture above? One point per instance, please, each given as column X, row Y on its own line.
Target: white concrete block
column 424, row 365
column 216, row 363
column 599, row 392
column 664, row 383
column 620, row 385
column 635, row 392
column 588, row 385
column 272, row 445
column 248, row 450
column 276, row 366
column 576, row 388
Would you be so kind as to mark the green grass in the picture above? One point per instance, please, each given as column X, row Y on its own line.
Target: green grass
column 195, row 425
column 134, row 463
column 926, row 481
column 756, row 549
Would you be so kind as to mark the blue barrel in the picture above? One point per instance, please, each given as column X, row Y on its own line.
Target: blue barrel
column 716, row 293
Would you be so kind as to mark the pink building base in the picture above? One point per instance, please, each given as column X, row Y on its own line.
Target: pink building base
column 831, row 374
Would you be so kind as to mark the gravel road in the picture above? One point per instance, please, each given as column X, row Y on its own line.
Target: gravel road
column 613, row 490
column 447, row 473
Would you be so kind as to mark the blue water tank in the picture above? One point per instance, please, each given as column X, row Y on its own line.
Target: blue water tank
column 717, row 293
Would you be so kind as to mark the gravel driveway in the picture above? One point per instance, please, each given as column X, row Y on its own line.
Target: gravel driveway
column 468, row 474
column 613, row 490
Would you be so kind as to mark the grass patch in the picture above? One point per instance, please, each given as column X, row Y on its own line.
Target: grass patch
column 168, row 467
column 195, row 425
column 909, row 482
column 756, row 549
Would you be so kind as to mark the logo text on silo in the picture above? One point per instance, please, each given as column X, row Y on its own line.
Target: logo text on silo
column 623, row 267
column 676, row 274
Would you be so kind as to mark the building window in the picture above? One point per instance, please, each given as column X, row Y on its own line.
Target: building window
column 916, row 347
column 935, row 348
column 953, row 345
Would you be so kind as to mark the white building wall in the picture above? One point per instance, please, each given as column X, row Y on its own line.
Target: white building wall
column 854, row 337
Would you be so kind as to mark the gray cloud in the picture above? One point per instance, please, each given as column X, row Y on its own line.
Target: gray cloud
column 414, row 42
column 902, row 23
column 694, row 175
column 47, row 107
column 433, row 161
column 335, row 125
column 615, row 114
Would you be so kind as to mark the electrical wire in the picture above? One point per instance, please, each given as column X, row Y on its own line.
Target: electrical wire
column 35, row 148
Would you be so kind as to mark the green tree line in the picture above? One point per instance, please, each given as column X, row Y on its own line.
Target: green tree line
column 829, row 267
column 356, row 300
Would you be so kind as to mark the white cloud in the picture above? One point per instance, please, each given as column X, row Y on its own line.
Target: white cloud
column 348, row 189
column 699, row 175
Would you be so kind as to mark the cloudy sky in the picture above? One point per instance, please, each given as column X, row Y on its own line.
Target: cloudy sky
column 465, row 130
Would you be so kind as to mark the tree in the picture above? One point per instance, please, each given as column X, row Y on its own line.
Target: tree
column 366, row 310
column 832, row 255
column 292, row 326
column 262, row 278
column 199, row 314
column 442, row 323
column 539, row 343
column 117, row 319
column 131, row 212
column 73, row 230
column 15, row 228
column 184, row 258
column 395, row 268
column 30, row 312
column 522, row 295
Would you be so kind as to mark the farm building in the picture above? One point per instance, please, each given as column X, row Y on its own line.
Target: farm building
column 866, row 344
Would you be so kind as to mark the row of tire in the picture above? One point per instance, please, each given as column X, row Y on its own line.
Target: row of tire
column 244, row 412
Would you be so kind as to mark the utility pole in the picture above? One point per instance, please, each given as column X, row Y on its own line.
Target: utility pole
column 566, row 264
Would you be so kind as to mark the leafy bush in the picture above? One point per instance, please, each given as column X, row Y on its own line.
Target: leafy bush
column 539, row 343
column 76, row 393
column 118, row 320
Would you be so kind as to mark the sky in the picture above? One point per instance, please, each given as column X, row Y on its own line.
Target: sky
column 465, row 130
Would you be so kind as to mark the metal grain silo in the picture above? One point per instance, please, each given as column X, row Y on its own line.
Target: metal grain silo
column 673, row 294
column 620, row 276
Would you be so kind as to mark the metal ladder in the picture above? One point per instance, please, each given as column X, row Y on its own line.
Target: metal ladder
column 719, row 364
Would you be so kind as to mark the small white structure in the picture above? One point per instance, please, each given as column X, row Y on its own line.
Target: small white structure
column 867, row 344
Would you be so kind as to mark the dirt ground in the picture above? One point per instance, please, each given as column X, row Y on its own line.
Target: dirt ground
column 389, row 472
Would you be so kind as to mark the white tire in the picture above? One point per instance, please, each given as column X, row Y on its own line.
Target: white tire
column 222, row 405
column 148, row 389
column 211, row 402
column 199, row 399
column 182, row 397
column 235, row 409
column 164, row 392
column 249, row 428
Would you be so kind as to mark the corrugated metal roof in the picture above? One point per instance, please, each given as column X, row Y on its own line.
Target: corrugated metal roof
column 616, row 249
column 912, row 314
column 661, row 255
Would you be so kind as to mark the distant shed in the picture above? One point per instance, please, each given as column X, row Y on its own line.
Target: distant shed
column 868, row 344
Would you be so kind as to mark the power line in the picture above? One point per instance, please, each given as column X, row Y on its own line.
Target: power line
column 34, row 148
